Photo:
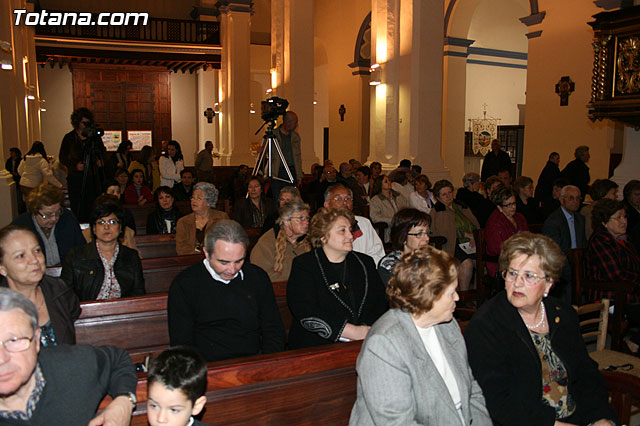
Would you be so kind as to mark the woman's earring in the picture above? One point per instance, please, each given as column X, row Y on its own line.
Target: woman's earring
column 545, row 294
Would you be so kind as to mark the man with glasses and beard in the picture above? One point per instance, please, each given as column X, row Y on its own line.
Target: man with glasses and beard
column 56, row 228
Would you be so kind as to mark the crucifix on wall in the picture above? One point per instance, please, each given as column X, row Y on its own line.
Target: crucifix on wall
column 564, row 87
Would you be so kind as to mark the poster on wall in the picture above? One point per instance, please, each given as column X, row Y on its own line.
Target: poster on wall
column 139, row 138
column 112, row 139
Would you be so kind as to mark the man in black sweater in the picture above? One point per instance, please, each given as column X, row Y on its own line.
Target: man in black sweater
column 223, row 307
column 61, row 385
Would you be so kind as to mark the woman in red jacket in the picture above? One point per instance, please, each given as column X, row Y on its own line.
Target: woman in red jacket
column 137, row 192
column 502, row 223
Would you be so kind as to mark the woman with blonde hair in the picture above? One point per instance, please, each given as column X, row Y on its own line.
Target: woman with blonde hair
column 334, row 293
column 275, row 250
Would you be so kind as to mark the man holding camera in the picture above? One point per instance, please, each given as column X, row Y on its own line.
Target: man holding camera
column 289, row 141
column 75, row 146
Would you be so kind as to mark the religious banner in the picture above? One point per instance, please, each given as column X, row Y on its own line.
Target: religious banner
column 484, row 131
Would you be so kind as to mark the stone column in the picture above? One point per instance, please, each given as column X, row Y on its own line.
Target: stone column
column 292, row 62
column 627, row 170
column 406, row 108
column 234, row 80
column 454, row 104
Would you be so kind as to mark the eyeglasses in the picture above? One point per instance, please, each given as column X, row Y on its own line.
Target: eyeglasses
column 53, row 215
column 509, row 204
column 421, row 234
column 620, row 218
column 529, row 278
column 197, row 198
column 301, row 218
column 17, row 344
column 340, row 199
column 103, row 222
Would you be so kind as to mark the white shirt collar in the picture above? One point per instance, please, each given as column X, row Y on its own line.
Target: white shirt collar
column 217, row 277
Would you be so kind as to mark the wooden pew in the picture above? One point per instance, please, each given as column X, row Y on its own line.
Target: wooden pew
column 140, row 214
column 159, row 272
column 137, row 324
column 160, row 245
column 312, row 386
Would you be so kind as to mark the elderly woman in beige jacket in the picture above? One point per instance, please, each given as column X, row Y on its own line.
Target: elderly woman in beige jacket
column 453, row 220
column 275, row 250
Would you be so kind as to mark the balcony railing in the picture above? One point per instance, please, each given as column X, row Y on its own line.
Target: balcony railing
column 156, row 30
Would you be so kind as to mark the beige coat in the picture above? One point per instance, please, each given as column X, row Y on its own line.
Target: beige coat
column 186, row 231
column 263, row 255
column 382, row 209
column 443, row 223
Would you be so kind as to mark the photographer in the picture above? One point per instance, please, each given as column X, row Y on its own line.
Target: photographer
column 79, row 144
column 289, row 141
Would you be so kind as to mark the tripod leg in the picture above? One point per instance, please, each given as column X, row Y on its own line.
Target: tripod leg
column 284, row 162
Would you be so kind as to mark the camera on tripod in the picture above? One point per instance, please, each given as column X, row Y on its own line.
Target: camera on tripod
column 273, row 107
column 93, row 131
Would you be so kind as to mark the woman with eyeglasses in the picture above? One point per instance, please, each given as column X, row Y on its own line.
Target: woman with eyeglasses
column 502, row 223
column 525, row 348
column 276, row 248
column 333, row 292
column 55, row 227
column 104, row 268
column 191, row 229
column 22, row 267
column 410, row 229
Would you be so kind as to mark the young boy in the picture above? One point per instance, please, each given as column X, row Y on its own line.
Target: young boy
column 176, row 386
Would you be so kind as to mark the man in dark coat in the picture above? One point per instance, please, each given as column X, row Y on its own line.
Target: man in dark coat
column 577, row 171
column 549, row 173
column 566, row 227
column 494, row 161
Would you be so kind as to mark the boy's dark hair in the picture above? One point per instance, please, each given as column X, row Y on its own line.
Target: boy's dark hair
column 180, row 368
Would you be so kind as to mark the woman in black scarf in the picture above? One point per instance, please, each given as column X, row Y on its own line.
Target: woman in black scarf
column 164, row 218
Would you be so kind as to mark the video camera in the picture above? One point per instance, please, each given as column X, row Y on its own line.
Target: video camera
column 93, row 131
column 274, row 107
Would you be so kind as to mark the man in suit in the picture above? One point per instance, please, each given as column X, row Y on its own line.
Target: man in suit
column 566, row 227
column 550, row 173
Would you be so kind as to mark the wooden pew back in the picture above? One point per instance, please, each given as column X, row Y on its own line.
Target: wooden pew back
column 159, row 272
column 160, row 245
column 137, row 324
column 140, row 324
column 312, row 386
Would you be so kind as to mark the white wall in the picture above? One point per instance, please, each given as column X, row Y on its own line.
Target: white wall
column 495, row 25
column 56, row 88
column 184, row 114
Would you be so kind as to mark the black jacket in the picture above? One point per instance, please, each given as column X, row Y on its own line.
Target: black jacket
column 480, row 206
column 507, row 366
column 544, row 189
column 320, row 308
column 494, row 163
column 157, row 225
column 62, row 304
column 83, row 271
column 577, row 173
